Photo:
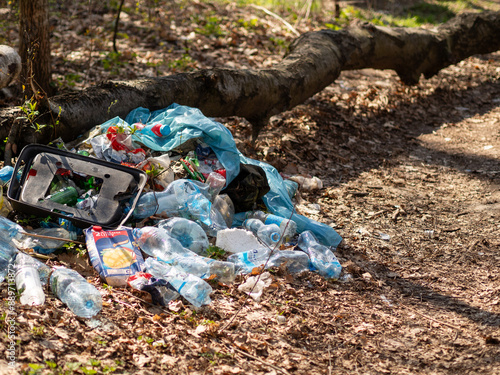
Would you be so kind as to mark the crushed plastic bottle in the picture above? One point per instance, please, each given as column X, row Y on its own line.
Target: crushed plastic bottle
column 27, row 280
column 187, row 232
column 195, row 290
column 161, row 291
column 288, row 228
column 47, row 245
column 322, row 258
column 225, row 206
column 7, row 256
column 158, row 243
column 10, row 230
column 294, row 261
column 216, row 183
column 206, row 268
column 246, row 261
column 182, row 198
column 82, row 298
column 269, row 234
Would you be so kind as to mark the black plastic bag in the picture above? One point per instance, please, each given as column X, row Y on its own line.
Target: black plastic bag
column 248, row 187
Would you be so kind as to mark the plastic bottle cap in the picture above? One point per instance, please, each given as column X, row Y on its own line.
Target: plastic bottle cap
column 97, row 228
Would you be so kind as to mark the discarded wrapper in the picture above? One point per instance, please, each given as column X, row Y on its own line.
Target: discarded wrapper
column 113, row 254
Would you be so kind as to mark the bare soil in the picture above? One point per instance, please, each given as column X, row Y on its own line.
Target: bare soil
column 411, row 182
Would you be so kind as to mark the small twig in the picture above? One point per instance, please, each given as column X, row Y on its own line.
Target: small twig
column 262, row 361
column 290, row 27
column 52, row 238
column 434, row 320
column 115, row 32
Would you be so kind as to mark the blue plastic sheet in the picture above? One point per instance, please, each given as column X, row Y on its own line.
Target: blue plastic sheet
column 168, row 128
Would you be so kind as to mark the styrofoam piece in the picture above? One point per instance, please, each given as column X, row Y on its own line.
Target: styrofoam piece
column 235, row 240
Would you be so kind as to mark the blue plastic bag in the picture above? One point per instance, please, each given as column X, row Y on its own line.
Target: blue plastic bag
column 168, row 128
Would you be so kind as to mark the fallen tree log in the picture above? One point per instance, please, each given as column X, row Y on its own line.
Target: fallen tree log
column 314, row 61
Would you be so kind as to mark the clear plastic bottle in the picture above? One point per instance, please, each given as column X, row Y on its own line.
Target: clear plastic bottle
column 295, row 261
column 182, row 198
column 225, row 206
column 206, row 267
column 288, row 228
column 71, row 288
column 269, row 234
column 216, row 183
column 28, row 282
column 10, row 230
column 195, row 290
column 47, row 245
column 225, row 272
column 7, row 256
column 322, row 258
column 190, row 234
column 158, row 243
column 246, row 261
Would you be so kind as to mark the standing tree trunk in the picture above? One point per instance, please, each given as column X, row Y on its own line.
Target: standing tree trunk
column 34, row 47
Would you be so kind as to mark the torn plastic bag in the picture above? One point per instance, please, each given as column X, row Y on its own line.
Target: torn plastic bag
column 167, row 129
column 278, row 202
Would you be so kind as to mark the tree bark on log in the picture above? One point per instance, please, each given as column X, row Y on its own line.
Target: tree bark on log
column 314, row 61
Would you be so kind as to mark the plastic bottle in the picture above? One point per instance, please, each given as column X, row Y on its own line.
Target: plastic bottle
column 322, row 258
column 47, row 245
column 67, row 196
column 225, row 206
column 182, row 198
column 216, row 183
column 295, row 261
column 217, row 223
column 71, row 288
column 10, row 230
column 158, row 243
column 187, row 232
column 206, row 267
column 7, row 256
column 28, row 280
column 6, row 174
column 269, row 234
column 161, row 291
column 246, row 261
column 288, row 227
column 195, row 290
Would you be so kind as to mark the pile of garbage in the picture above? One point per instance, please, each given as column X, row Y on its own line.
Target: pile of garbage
column 156, row 195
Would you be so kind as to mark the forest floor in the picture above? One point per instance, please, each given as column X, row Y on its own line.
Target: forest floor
column 411, row 182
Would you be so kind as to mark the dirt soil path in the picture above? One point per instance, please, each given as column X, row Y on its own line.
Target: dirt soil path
column 411, row 182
